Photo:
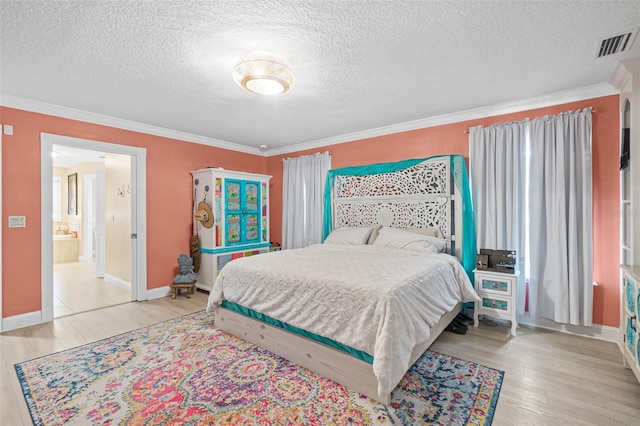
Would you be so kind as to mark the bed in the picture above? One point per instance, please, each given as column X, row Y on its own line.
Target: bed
column 361, row 308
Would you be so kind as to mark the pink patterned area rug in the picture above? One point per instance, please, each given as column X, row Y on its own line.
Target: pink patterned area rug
column 187, row 372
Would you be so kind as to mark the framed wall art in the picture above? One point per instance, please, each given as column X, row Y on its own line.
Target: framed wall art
column 72, row 182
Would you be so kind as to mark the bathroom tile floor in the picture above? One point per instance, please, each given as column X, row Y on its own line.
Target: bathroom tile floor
column 76, row 289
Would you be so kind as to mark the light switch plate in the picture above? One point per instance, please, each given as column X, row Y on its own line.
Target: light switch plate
column 17, row 221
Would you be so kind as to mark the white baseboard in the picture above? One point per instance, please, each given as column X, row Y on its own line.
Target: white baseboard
column 34, row 318
column 85, row 259
column 47, row 313
column 157, row 293
column 22, row 320
column 205, row 287
column 596, row 331
column 118, row 282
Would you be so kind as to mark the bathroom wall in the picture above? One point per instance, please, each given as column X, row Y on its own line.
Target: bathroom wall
column 118, row 216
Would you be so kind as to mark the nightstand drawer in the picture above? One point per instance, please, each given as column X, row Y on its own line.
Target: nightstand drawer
column 501, row 286
column 495, row 304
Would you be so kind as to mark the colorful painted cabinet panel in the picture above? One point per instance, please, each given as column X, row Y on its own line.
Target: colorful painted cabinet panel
column 495, row 304
column 630, row 294
column 242, row 212
column 630, row 318
column 495, row 285
column 631, row 335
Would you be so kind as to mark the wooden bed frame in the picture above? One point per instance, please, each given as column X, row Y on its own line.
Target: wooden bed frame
column 329, row 362
column 360, row 201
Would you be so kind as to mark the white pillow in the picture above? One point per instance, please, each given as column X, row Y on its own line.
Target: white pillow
column 433, row 232
column 399, row 238
column 349, row 235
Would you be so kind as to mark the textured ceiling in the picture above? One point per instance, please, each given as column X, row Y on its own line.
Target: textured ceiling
column 359, row 65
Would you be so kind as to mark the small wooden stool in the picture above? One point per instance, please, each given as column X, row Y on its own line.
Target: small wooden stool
column 175, row 289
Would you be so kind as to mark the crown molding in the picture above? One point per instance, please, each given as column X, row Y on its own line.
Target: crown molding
column 589, row 92
column 622, row 73
column 120, row 123
column 631, row 64
column 619, row 77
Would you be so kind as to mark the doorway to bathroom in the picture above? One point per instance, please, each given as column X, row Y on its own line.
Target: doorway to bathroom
column 91, row 257
column 80, row 281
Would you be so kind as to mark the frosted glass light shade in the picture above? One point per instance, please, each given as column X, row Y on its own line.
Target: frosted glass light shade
column 264, row 74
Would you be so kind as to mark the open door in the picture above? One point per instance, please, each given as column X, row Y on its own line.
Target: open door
column 100, row 228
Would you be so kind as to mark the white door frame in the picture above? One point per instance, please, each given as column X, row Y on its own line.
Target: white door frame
column 88, row 203
column 1, row 218
column 100, row 224
column 138, row 212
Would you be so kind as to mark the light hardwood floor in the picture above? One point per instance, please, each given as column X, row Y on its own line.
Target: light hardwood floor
column 551, row 378
column 77, row 289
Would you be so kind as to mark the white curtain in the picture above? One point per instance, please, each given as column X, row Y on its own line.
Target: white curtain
column 497, row 163
column 560, row 194
column 302, row 195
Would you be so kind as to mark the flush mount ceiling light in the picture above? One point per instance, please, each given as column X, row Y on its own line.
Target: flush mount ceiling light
column 264, row 74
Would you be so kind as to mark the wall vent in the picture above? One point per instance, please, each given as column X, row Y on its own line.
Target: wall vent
column 616, row 44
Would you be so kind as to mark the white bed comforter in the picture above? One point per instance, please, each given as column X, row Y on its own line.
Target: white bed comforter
column 377, row 299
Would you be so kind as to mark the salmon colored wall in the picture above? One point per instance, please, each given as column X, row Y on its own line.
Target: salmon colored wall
column 169, row 190
column 452, row 139
column 169, row 196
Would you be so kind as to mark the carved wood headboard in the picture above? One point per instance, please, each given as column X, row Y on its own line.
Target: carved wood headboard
column 419, row 196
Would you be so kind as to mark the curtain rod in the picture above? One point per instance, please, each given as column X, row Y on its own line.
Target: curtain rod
column 593, row 111
column 298, row 156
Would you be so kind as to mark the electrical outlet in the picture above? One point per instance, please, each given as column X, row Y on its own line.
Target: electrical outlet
column 8, row 129
column 17, row 221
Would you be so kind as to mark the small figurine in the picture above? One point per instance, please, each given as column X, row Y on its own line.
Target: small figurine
column 186, row 275
column 194, row 247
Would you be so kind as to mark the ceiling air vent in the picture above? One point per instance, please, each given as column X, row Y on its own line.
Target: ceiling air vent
column 616, row 44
